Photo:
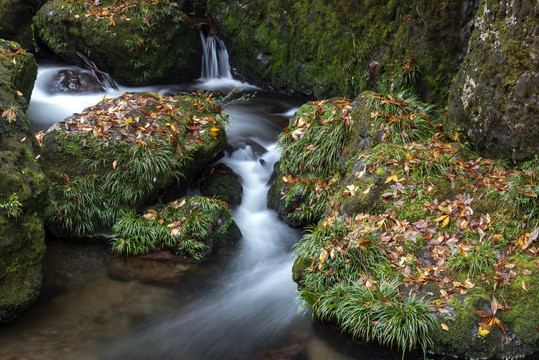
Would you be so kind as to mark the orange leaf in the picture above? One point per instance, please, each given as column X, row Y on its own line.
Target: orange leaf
column 445, row 327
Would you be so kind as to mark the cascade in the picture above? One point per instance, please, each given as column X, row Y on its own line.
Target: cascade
column 214, row 57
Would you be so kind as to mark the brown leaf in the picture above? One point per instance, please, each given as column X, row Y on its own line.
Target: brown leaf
column 524, row 285
column 494, row 305
column 483, row 314
column 526, row 272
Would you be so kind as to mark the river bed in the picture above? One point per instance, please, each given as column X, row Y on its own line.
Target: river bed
column 240, row 305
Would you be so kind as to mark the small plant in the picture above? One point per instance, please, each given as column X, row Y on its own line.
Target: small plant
column 523, row 190
column 378, row 312
column 13, row 208
column 401, row 117
column 477, row 257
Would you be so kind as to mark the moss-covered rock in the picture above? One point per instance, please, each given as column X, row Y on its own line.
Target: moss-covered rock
column 221, row 182
column 137, row 43
column 23, row 191
column 414, row 217
column 192, row 227
column 310, row 165
column 336, row 48
column 494, row 98
column 513, row 333
column 16, row 21
column 126, row 153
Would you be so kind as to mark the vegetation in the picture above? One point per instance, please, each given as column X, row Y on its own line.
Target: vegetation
column 443, row 228
column 311, row 148
column 188, row 226
column 13, row 207
column 126, row 151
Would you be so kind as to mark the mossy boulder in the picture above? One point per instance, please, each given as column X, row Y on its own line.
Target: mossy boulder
column 312, row 148
column 191, row 227
column 221, row 182
column 16, row 21
column 513, row 333
column 23, row 190
column 493, row 100
column 138, row 44
column 126, row 153
column 336, row 48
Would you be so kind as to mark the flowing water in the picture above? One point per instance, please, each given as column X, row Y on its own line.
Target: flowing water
column 241, row 305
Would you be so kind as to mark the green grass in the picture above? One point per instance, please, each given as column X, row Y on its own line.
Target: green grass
column 185, row 226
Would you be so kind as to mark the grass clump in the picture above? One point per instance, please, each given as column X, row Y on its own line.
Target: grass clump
column 311, row 148
column 346, row 283
column 121, row 153
column 187, row 226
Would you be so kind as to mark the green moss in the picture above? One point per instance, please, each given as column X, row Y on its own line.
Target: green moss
column 159, row 42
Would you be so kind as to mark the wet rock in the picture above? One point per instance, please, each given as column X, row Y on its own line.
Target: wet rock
column 69, row 81
column 223, row 183
column 257, row 148
column 23, row 191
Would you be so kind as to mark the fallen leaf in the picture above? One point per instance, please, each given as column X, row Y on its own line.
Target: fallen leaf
column 524, row 285
column 482, row 332
column 445, row 327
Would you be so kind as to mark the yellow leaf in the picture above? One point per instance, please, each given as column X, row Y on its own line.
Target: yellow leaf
column 19, row 93
column 150, row 216
column 441, row 218
column 114, row 164
column 368, row 190
column 392, row 177
column 446, row 221
column 445, row 327
column 482, row 332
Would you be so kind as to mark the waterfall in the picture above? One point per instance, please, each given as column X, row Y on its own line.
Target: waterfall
column 214, row 58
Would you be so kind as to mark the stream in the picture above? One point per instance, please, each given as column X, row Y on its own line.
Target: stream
column 241, row 305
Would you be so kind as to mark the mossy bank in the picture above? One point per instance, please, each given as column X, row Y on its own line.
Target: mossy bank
column 23, row 190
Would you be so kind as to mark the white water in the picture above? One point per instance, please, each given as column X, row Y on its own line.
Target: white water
column 251, row 303
column 214, row 58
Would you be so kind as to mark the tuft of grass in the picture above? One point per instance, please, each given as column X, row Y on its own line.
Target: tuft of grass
column 476, row 258
column 186, row 226
column 380, row 313
column 401, row 117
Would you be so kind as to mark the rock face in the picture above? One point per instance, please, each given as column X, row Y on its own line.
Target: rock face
column 124, row 154
column 137, row 45
column 494, row 99
column 23, row 193
column 16, row 21
column 336, row 48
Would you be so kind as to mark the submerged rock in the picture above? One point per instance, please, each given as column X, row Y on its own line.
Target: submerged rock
column 138, row 44
column 23, row 190
column 126, row 153
column 494, row 99
column 69, row 81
